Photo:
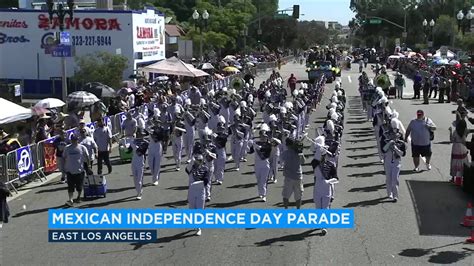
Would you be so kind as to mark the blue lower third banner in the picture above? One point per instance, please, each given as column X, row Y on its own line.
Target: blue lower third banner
column 207, row 218
column 141, row 236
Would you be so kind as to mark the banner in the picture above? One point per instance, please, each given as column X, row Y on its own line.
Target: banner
column 24, row 161
column 50, row 163
column 122, row 116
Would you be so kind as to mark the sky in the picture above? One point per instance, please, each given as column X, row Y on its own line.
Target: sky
column 325, row 10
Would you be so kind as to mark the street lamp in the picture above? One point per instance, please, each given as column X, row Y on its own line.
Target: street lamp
column 201, row 22
column 61, row 13
column 460, row 17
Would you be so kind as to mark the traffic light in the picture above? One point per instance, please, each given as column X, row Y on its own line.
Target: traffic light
column 296, row 11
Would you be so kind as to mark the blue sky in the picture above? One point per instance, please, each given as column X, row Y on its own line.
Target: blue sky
column 326, row 10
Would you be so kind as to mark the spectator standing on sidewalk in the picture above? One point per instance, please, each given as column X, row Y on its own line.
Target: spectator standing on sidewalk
column 292, row 83
column 103, row 139
column 60, row 144
column 421, row 131
column 76, row 164
column 426, row 90
column 90, row 144
column 417, row 85
column 399, row 85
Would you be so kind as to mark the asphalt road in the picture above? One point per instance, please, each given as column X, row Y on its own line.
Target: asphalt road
column 421, row 228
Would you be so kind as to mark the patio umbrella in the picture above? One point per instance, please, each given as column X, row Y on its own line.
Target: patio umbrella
column 231, row 69
column 229, row 57
column 124, row 91
column 206, row 66
column 129, row 84
column 99, row 89
column 173, row 66
column 50, row 103
column 39, row 111
column 80, row 99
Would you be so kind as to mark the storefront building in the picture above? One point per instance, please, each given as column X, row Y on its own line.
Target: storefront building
column 28, row 51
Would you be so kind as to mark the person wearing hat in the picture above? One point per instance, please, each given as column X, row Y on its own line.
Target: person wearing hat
column 198, row 179
column 399, row 85
column 262, row 148
column 394, row 149
column 189, row 122
column 76, row 162
column 139, row 147
column 238, row 134
column 87, row 141
column 220, row 141
column 60, row 143
column 179, row 130
column 293, row 173
column 103, row 139
column 420, row 130
column 41, row 129
column 325, row 177
column 155, row 153
column 82, row 126
column 129, row 126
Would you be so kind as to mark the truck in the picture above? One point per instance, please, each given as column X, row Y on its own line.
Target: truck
column 315, row 71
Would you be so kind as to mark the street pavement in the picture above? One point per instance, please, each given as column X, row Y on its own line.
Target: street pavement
column 421, row 228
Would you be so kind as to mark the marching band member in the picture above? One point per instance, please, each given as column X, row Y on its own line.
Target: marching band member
column 179, row 130
column 198, row 180
column 220, row 141
column 139, row 147
column 394, row 149
column 325, row 176
column 189, row 122
column 155, row 153
column 238, row 134
column 262, row 149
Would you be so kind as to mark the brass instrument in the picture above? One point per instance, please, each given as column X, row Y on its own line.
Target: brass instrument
column 237, row 84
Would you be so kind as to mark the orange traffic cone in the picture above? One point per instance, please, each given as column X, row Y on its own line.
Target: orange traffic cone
column 468, row 220
column 471, row 239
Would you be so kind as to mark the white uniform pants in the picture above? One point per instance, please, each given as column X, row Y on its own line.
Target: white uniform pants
column 392, row 173
column 177, row 149
column 137, row 172
column 322, row 202
column 219, row 164
column 189, row 142
column 237, row 146
column 262, row 169
column 210, row 165
column 154, row 161
column 196, row 195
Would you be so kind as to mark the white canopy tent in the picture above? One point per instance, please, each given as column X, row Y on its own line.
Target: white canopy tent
column 174, row 66
column 12, row 112
column 449, row 54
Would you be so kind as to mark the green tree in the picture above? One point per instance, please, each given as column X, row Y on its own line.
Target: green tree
column 443, row 31
column 101, row 67
column 467, row 43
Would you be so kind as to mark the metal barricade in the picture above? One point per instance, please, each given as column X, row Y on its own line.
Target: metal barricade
column 12, row 171
column 3, row 168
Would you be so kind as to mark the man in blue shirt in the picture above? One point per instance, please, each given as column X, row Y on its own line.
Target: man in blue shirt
column 417, row 84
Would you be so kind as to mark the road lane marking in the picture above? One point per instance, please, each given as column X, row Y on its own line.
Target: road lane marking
column 349, row 78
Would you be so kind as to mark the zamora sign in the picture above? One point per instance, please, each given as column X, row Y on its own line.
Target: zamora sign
column 80, row 23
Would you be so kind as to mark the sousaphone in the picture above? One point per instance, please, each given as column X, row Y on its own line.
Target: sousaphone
column 237, row 84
